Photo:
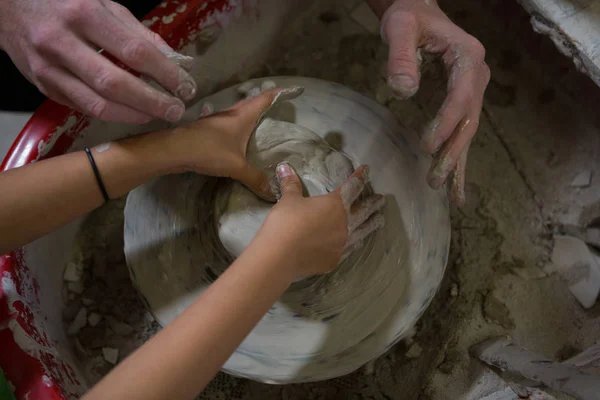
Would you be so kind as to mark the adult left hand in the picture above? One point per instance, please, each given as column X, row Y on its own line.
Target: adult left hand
column 410, row 25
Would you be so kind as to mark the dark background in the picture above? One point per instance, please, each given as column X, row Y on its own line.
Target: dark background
column 20, row 95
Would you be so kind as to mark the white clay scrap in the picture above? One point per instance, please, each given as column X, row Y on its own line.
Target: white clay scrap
column 87, row 302
column 78, row 323
column 75, row 287
column 583, row 179
column 245, row 87
column 576, row 264
column 73, row 272
column 120, row 328
column 94, row 319
column 111, row 355
column 414, row 351
column 509, row 394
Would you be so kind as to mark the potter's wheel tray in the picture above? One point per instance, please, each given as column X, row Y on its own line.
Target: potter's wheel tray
column 182, row 231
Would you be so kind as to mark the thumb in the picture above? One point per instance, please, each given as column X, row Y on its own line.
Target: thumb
column 400, row 30
column 253, row 109
column 289, row 183
column 258, row 182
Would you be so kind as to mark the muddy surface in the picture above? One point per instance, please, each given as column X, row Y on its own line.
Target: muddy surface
column 538, row 131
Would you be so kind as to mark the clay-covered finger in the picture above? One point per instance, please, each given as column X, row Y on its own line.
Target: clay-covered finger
column 445, row 161
column 74, row 93
column 135, row 50
column 375, row 222
column 183, row 61
column 468, row 75
column 456, row 187
column 351, row 189
column 362, row 210
column 287, row 180
column 115, row 84
column 454, row 109
column 400, row 30
column 257, row 181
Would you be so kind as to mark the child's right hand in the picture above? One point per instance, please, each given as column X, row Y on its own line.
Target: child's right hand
column 317, row 232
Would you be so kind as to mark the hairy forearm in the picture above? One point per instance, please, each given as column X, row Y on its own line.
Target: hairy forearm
column 180, row 360
column 45, row 195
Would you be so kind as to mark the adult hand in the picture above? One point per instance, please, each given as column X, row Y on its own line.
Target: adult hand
column 216, row 144
column 322, row 230
column 54, row 44
column 410, row 25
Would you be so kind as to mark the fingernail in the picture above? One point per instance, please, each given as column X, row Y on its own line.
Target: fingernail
column 174, row 113
column 284, row 170
column 403, row 85
column 186, row 91
column 275, row 188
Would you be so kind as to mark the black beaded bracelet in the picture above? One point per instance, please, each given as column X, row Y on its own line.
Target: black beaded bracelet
column 97, row 174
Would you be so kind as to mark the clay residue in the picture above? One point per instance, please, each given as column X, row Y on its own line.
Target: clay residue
column 103, row 312
column 496, row 312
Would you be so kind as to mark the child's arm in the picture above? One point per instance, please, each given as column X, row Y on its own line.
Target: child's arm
column 182, row 358
column 301, row 237
column 40, row 197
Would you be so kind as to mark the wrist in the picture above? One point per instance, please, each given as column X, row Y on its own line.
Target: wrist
column 277, row 253
column 152, row 151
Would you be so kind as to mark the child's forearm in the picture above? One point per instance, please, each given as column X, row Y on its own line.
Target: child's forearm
column 40, row 197
column 181, row 359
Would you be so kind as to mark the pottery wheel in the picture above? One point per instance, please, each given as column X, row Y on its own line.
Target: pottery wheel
column 182, row 231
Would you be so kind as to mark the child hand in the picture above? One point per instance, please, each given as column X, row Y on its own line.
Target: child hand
column 322, row 230
column 216, row 145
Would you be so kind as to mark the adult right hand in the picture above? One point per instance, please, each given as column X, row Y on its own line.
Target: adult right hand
column 320, row 231
column 410, row 25
column 54, row 44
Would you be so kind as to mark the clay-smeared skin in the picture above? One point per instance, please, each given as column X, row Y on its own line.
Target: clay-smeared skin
column 412, row 25
column 231, row 148
column 362, row 217
column 54, row 44
column 362, row 213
